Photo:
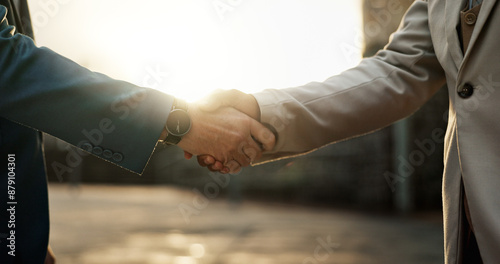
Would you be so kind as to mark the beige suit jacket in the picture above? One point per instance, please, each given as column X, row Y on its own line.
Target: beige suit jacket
column 420, row 57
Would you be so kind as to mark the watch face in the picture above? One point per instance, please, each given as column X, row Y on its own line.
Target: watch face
column 178, row 123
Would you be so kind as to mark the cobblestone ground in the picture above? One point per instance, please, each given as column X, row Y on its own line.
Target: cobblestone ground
column 151, row 225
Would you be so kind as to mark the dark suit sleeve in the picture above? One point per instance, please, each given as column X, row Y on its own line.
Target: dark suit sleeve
column 115, row 120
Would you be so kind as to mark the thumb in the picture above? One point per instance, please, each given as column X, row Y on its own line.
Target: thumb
column 264, row 134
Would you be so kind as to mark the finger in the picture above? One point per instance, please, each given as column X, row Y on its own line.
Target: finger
column 217, row 166
column 248, row 150
column 233, row 166
column 187, row 155
column 201, row 161
column 252, row 150
column 240, row 157
column 263, row 135
column 206, row 160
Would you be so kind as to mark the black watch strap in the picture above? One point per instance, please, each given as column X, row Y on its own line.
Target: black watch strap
column 172, row 140
column 179, row 108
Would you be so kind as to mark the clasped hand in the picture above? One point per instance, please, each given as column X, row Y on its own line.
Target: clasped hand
column 226, row 134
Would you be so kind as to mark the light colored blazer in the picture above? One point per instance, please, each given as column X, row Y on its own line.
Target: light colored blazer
column 421, row 56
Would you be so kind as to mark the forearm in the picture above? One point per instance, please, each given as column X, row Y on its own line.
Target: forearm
column 376, row 93
column 45, row 91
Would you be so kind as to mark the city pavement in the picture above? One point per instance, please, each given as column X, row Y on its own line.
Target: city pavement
column 93, row 224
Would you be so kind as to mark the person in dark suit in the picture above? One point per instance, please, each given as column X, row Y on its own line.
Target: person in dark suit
column 41, row 91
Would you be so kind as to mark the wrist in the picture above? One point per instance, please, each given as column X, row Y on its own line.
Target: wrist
column 163, row 134
column 178, row 123
column 254, row 106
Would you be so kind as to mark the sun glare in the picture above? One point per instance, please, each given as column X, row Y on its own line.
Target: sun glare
column 189, row 48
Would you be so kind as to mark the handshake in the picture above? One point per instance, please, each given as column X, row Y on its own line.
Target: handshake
column 224, row 131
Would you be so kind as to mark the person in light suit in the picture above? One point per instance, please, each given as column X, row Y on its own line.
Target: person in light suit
column 439, row 42
column 41, row 91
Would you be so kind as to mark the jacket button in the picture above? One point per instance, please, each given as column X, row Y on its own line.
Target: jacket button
column 87, row 147
column 466, row 91
column 97, row 151
column 117, row 157
column 470, row 19
column 107, row 154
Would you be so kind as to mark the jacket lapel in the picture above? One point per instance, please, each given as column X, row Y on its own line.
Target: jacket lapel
column 452, row 14
column 486, row 8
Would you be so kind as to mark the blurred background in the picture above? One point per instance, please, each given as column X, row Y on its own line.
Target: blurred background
column 373, row 199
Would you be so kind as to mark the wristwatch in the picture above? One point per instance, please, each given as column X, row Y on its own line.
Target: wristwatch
column 178, row 122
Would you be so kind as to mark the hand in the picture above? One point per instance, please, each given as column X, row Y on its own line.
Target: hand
column 236, row 99
column 50, row 258
column 210, row 162
column 241, row 101
column 227, row 135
